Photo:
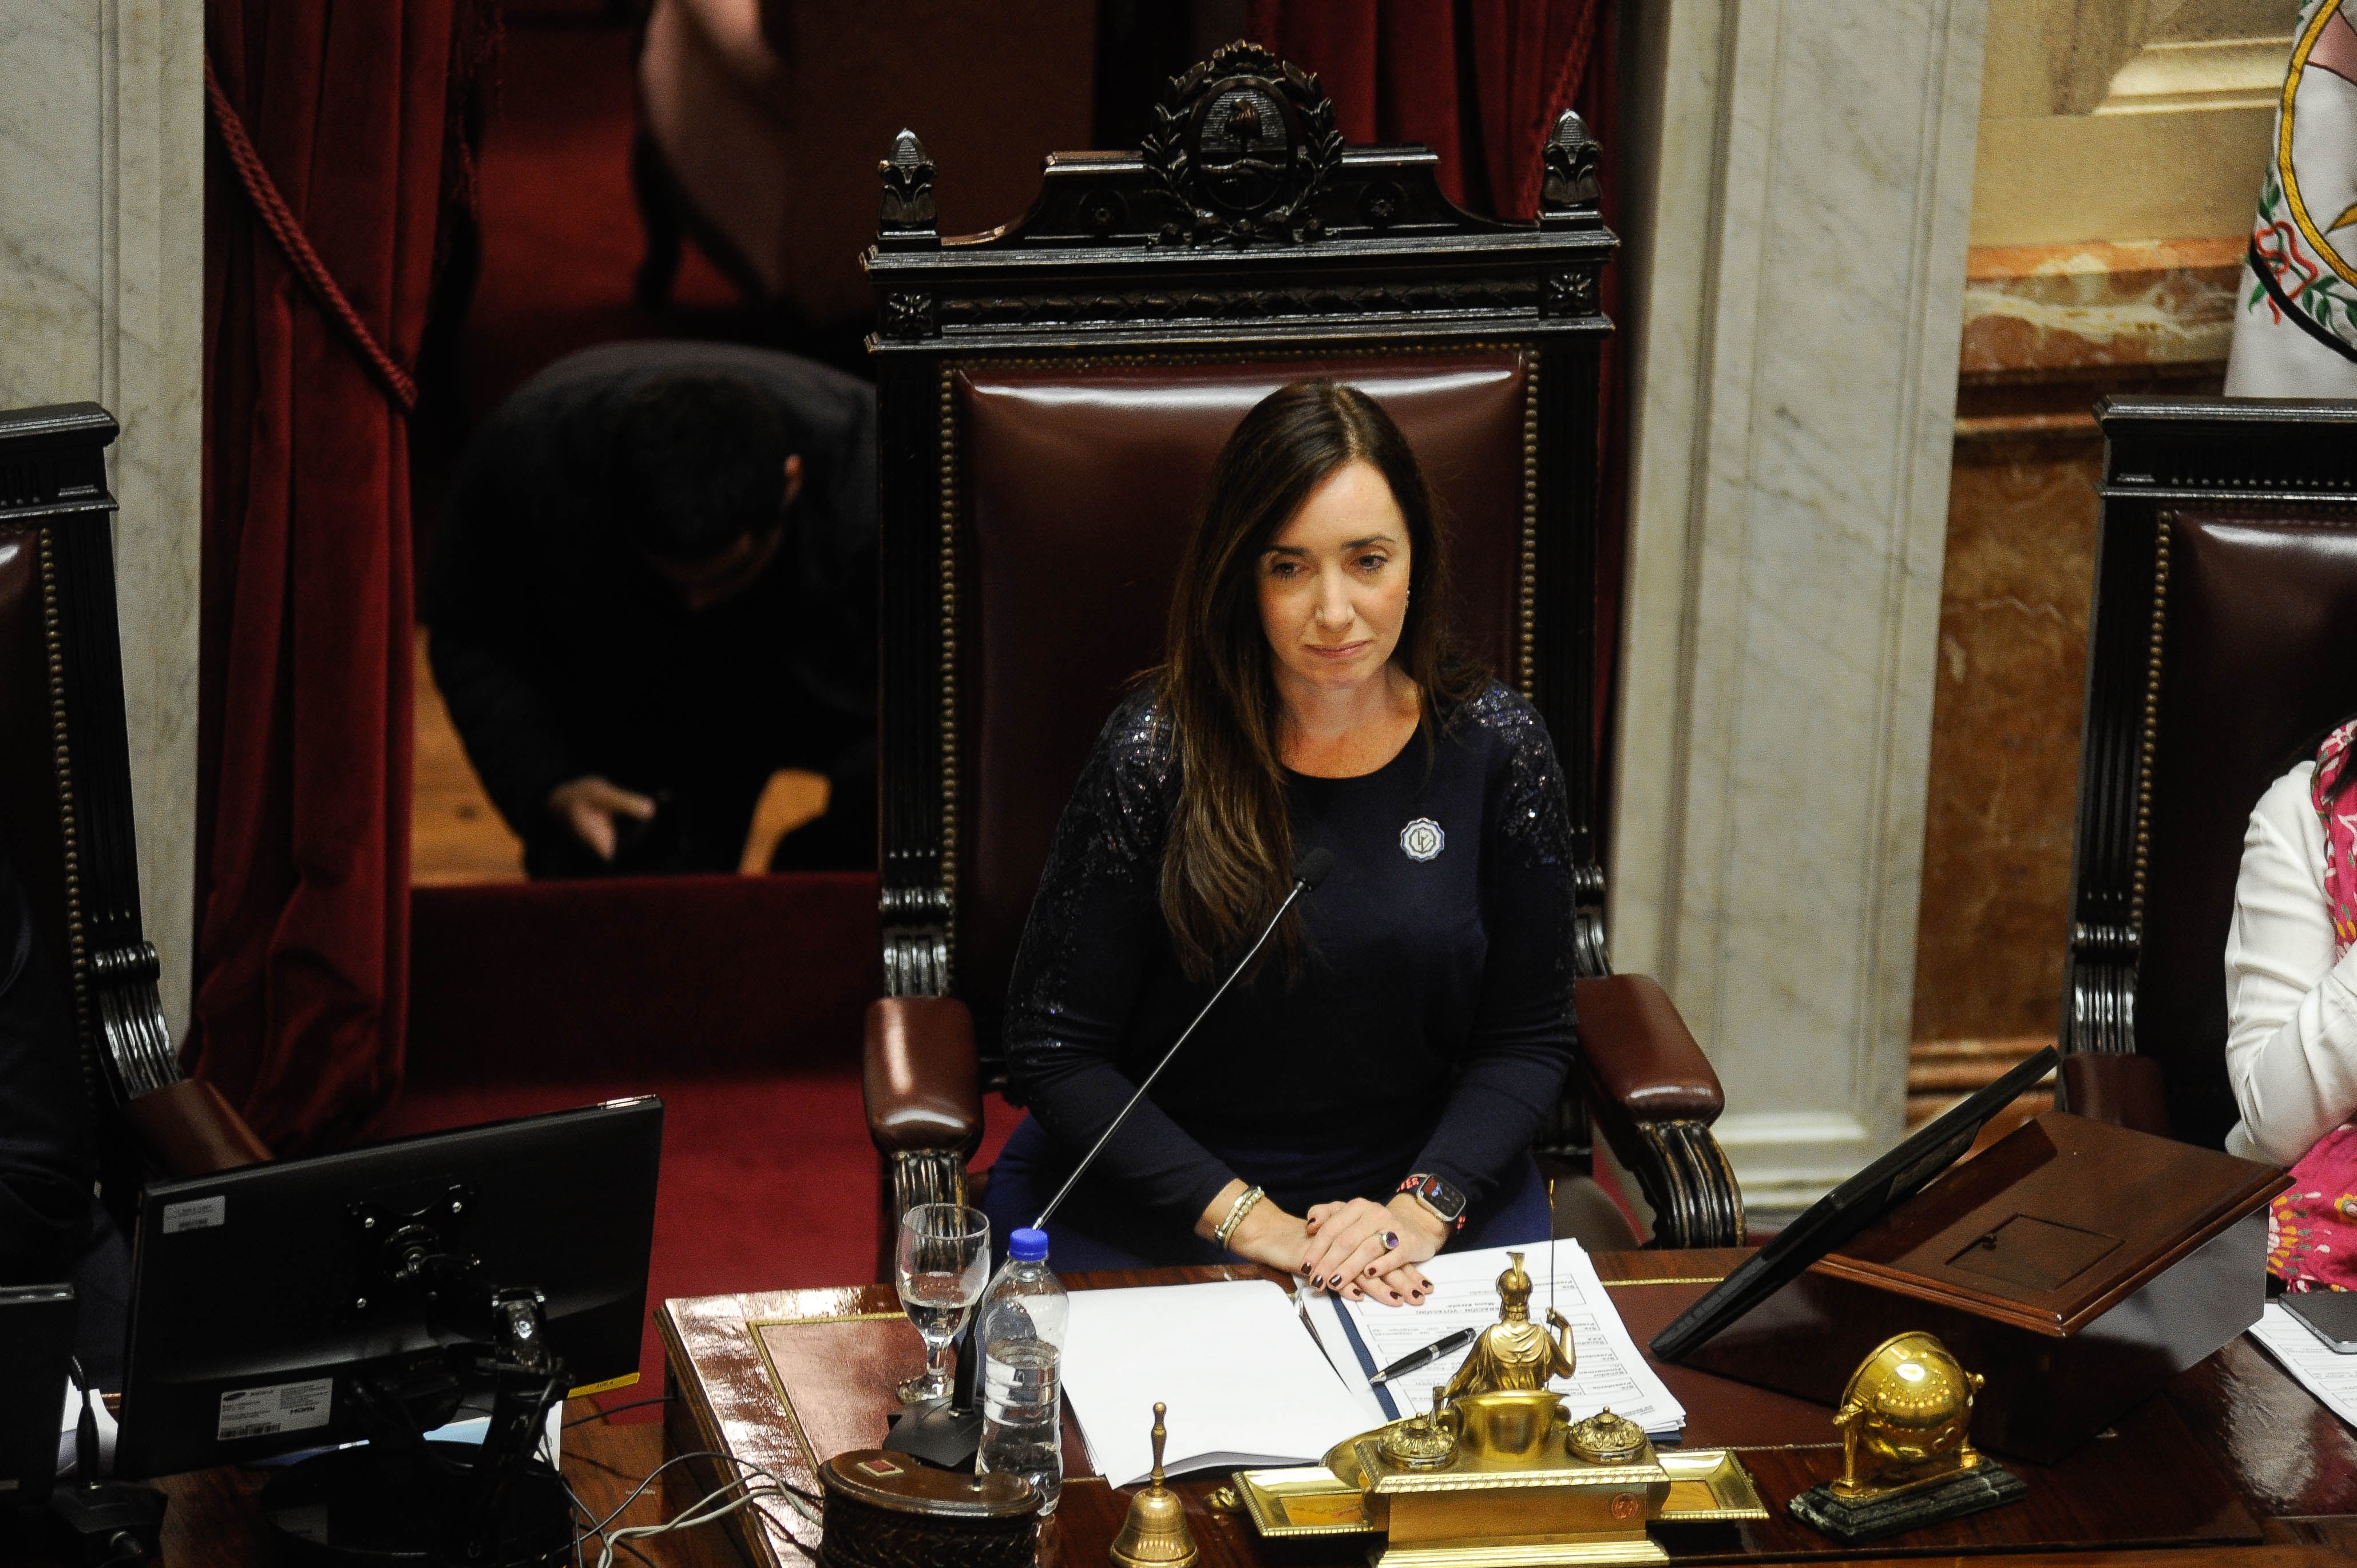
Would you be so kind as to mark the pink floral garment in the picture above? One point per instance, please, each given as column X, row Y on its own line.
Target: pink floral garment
column 2312, row 1227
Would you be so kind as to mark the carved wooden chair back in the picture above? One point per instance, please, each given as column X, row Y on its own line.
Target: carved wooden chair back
column 65, row 776
column 2225, row 617
column 1052, row 393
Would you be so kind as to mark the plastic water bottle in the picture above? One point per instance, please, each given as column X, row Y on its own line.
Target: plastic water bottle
column 1021, row 1333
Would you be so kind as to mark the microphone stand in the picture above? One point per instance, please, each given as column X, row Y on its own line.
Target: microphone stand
column 1307, row 874
column 948, row 1432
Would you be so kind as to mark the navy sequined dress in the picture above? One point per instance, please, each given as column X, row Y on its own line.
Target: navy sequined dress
column 1428, row 1027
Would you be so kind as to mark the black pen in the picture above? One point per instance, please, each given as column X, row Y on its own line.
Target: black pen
column 1430, row 1353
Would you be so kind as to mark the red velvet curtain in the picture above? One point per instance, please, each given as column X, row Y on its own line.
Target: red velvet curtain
column 304, row 707
column 1479, row 82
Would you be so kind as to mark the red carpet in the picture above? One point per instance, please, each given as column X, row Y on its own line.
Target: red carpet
column 767, row 1183
column 738, row 999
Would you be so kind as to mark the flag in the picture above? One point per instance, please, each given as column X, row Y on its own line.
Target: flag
column 2295, row 317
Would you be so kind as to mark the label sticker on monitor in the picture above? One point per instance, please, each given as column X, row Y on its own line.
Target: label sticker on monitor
column 281, row 1407
column 197, row 1214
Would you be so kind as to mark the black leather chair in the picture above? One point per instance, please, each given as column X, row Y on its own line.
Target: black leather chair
column 1052, row 393
column 2224, row 636
column 65, row 797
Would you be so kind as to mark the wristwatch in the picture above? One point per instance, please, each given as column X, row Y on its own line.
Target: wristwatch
column 1446, row 1203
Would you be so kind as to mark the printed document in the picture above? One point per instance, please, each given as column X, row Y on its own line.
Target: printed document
column 1607, row 1368
column 2323, row 1371
column 1246, row 1382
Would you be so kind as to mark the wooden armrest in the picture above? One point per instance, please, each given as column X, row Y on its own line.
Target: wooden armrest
column 2112, row 1085
column 1653, row 1096
column 1639, row 1055
column 188, row 1129
column 921, row 1075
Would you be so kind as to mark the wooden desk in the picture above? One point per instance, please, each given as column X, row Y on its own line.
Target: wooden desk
column 212, row 1522
column 2288, row 1467
column 2291, row 1462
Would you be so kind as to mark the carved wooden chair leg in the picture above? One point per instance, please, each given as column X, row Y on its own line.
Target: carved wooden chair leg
column 1692, row 1188
column 912, row 1177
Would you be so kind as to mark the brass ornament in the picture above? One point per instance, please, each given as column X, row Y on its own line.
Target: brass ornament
column 1424, row 1442
column 1155, row 1535
column 1496, row 1475
column 1605, row 1438
column 1908, row 1459
column 1905, row 1419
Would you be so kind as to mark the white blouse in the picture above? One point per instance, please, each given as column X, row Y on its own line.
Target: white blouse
column 2291, row 1011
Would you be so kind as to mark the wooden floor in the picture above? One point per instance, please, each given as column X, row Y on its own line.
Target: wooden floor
column 457, row 835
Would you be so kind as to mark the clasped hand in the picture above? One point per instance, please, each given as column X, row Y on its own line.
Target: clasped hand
column 1341, row 1247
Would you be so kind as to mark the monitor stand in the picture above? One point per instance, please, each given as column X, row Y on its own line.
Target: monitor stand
column 402, row 1502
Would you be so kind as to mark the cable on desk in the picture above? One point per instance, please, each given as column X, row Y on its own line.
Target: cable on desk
column 705, row 1509
column 614, row 1408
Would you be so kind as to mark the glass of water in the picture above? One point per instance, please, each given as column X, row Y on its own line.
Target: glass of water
column 944, row 1262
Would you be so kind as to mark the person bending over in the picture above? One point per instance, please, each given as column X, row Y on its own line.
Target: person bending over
column 1411, row 1023
column 654, row 588
column 2291, row 1011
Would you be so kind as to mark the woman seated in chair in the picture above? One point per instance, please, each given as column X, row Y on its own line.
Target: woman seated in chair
column 1367, row 1095
column 2291, row 1011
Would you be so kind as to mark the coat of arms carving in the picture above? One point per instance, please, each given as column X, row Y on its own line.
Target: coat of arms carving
column 1242, row 143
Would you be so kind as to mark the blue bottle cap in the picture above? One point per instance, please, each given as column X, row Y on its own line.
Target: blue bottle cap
column 1028, row 1245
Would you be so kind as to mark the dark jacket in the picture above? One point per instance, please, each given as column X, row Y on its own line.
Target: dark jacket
column 560, row 653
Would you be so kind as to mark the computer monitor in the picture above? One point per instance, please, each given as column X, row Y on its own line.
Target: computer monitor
column 368, row 1294
column 36, row 1329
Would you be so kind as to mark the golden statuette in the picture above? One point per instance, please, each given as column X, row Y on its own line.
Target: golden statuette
column 1514, row 1353
column 1907, row 1458
column 1155, row 1535
column 1495, row 1475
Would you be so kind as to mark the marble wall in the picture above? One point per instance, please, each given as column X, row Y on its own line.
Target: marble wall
column 2046, row 331
column 101, row 237
column 1801, row 175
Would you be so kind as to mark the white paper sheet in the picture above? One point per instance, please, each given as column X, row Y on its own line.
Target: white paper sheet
column 1246, row 1382
column 2317, row 1367
column 1608, row 1370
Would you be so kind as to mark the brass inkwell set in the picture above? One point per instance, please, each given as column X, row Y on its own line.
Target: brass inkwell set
column 1497, row 1473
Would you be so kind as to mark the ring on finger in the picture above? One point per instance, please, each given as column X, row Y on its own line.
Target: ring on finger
column 1390, row 1241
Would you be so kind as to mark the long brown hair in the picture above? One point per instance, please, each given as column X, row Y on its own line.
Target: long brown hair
column 1229, row 860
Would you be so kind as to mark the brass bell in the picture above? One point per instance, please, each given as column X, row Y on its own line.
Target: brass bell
column 1155, row 1535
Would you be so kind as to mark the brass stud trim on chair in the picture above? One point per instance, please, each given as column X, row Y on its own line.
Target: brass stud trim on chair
column 949, row 614
column 2149, row 728
column 62, row 753
column 1527, row 604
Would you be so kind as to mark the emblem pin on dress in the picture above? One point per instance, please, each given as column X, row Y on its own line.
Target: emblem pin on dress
column 1422, row 838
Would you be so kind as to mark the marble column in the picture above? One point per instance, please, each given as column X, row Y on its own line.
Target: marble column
column 1801, row 176
column 101, row 275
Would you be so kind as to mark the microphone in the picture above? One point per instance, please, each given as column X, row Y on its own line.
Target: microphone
column 1308, row 871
